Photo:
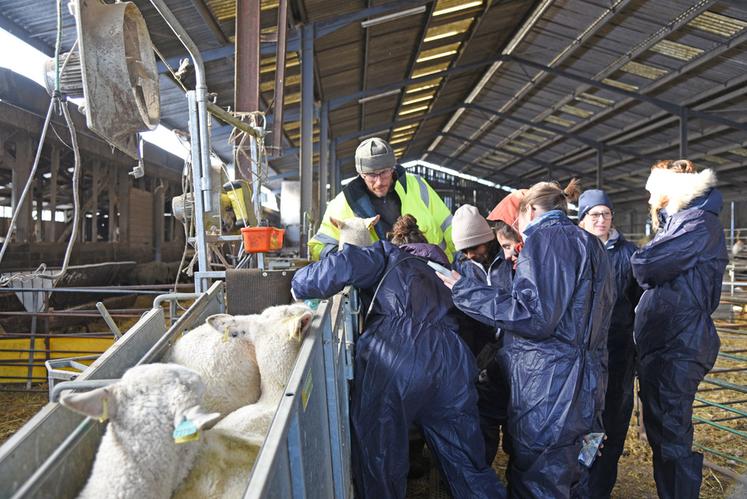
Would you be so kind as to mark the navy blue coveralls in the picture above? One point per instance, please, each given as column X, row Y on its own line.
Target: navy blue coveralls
column 492, row 384
column 618, row 401
column 411, row 367
column 681, row 271
column 555, row 322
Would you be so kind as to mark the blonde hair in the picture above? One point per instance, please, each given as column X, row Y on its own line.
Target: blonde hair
column 550, row 196
column 676, row 166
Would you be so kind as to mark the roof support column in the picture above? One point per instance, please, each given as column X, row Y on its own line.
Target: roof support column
column 307, row 130
column 683, row 133
column 323, row 157
column 277, row 118
column 246, row 81
column 600, row 165
column 334, row 170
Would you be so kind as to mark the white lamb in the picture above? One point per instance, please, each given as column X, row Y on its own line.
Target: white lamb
column 355, row 231
column 226, row 361
column 138, row 457
column 277, row 335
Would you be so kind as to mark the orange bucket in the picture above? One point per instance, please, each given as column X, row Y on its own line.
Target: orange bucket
column 262, row 239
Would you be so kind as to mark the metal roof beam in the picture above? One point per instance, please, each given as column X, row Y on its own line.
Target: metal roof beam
column 17, row 31
column 544, row 164
column 384, row 126
column 326, row 27
column 670, row 107
column 266, row 49
column 694, row 64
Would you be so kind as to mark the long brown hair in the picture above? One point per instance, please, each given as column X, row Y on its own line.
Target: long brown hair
column 674, row 165
column 550, row 196
column 406, row 231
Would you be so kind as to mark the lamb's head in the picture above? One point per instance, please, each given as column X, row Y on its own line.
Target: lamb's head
column 234, row 326
column 161, row 395
column 355, row 231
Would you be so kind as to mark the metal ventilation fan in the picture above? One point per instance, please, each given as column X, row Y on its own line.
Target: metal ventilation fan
column 115, row 69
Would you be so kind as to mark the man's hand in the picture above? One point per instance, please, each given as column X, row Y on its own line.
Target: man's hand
column 450, row 280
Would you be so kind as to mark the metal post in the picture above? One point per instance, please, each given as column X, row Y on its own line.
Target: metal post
column 246, row 90
column 323, row 157
column 201, row 284
column 683, row 133
column 335, row 169
column 307, row 129
column 731, row 224
column 277, row 124
column 600, row 165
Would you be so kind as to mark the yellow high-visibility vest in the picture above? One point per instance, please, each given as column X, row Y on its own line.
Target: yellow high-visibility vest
column 417, row 199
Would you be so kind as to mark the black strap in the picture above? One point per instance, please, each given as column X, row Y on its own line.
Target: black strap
column 378, row 286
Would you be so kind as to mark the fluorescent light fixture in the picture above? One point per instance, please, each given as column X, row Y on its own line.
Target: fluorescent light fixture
column 456, row 8
column 412, row 110
column 436, row 56
column 417, row 99
column 369, row 98
column 391, row 17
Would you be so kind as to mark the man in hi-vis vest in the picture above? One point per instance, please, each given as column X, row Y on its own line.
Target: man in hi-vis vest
column 384, row 188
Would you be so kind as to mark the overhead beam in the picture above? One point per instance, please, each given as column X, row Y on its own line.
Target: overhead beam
column 329, row 26
column 19, row 32
column 675, row 109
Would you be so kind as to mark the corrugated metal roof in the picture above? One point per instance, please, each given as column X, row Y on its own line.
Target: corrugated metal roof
column 687, row 53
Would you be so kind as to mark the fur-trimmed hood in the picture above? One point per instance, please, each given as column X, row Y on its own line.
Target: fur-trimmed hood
column 678, row 190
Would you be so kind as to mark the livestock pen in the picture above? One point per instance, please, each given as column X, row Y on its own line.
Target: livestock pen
column 305, row 454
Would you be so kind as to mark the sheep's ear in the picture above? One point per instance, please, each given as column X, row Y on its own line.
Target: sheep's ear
column 370, row 222
column 200, row 419
column 302, row 324
column 337, row 223
column 98, row 403
column 220, row 322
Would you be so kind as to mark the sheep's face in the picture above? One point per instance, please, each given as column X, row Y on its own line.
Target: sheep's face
column 162, row 394
column 234, row 326
column 355, row 231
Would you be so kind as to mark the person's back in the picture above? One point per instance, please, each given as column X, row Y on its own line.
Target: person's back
column 411, row 367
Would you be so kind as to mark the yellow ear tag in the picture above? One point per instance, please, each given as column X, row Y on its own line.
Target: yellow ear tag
column 186, row 432
column 225, row 335
column 104, row 411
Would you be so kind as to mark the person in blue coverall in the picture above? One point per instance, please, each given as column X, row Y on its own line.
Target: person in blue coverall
column 681, row 271
column 480, row 257
column 595, row 215
column 410, row 367
column 555, row 320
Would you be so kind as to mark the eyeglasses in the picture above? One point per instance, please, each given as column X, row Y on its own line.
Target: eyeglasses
column 376, row 176
column 606, row 215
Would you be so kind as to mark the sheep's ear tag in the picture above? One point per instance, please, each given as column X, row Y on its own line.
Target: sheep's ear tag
column 104, row 410
column 187, row 431
column 225, row 335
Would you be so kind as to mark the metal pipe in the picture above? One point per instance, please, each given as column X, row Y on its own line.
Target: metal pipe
column 200, row 244
column 683, row 133
column 89, row 384
column 109, row 321
column 277, row 123
column 174, row 296
column 323, row 157
column 307, row 129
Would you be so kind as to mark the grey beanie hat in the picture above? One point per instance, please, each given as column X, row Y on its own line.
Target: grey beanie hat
column 374, row 154
column 469, row 228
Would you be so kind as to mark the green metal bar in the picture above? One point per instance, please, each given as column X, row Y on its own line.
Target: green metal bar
column 721, row 454
column 732, row 357
column 721, row 406
column 725, row 384
column 720, row 426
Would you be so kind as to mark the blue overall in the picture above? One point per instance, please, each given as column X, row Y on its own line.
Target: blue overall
column 618, row 401
column 681, row 271
column 411, row 367
column 555, row 320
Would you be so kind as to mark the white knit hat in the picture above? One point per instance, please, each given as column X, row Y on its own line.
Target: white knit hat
column 469, row 228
